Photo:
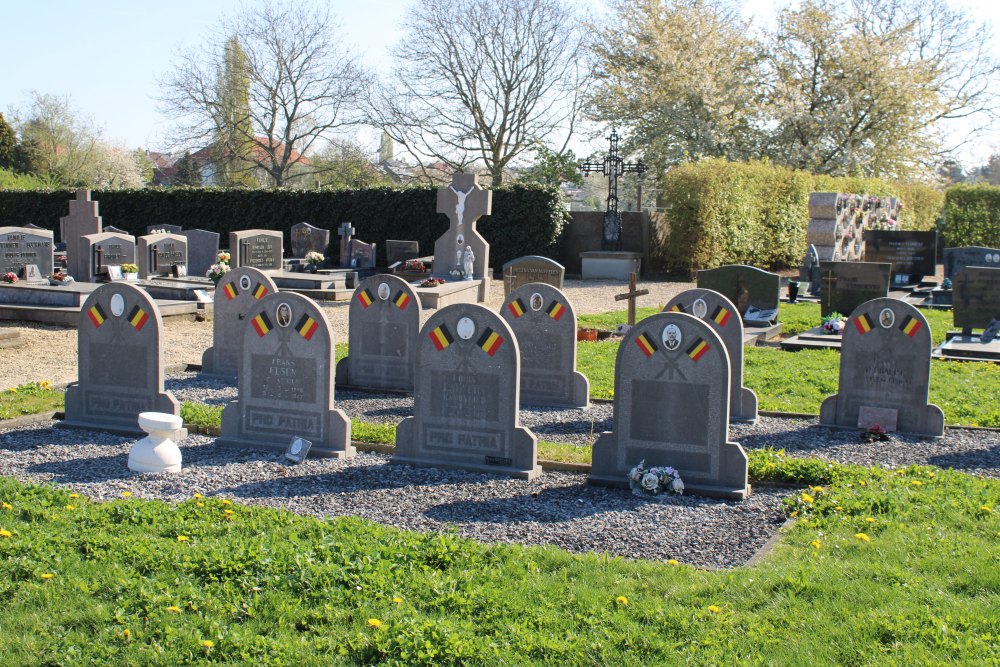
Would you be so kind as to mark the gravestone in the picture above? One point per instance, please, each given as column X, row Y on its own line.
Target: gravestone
column 260, row 248
column 846, row 285
column 83, row 220
column 167, row 229
column 286, row 381
column 755, row 292
column 719, row 313
column 157, row 254
column 976, row 299
column 671, row 408
column 362, row 255
column 21, row 246
column 119, row 361
column 809, row 271
column 202, row 250
column 400, row 251
column 345, row 231
column 885, row 366
column 544, row 322
column 956, row 259
column 103, row 250
column 464, row 202
column 237, row 292
column 913, row 255
column 532, row 269
column 465, row 399
column 306, row 239
column 384, row 320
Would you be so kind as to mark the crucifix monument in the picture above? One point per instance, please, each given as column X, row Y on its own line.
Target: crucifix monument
column 613, row 166
column 464, row 202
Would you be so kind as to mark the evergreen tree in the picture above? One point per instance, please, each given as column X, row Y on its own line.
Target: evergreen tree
column 234, row 131
column 188, row 172
column 8, row 145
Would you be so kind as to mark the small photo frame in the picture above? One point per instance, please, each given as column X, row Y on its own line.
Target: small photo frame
column 180, row 270
column 298, row 449
column 115, row 272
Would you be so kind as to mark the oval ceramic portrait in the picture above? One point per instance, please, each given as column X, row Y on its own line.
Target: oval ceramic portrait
column 383, row 291
column 996, row 258
column 466, row 327
column 536, row 301
column 700, row 308
column 672, row 337
column 283, row 314
column 245, row 282
column 117, row 305
column 460, row 240
column 886, row 318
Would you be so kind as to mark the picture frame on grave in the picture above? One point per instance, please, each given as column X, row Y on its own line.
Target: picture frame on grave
column 179, row 270
column 298, row 449
column 115, row 272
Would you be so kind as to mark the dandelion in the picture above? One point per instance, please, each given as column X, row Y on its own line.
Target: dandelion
column 862, row 537
column 71, row 507
column 838, row 508
column 74, row 495
column 622, row 600
column 986, row 508
column 5, row 533
column 815, row 544
column 870, row 519
column 197, row 495
column 226, row 501
column 200, row 504
column 7, row 506
column 227, row 512
column 806, row 498
column 207, row 643
column 126, row 633
column 183, row 538
column 126, row 494
column 916, row 482
column 673, row 561
column 714, row 609
column 397, row 600
column 46, row 576
column 794, row 514
column 174, row 609
column 863, row 483
column 816, row 489
column 374, row 623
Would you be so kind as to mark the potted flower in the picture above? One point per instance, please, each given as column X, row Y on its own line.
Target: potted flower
column 216, row 271
column 130, row 271
column 10, row 277
column 833, row 324
column 313, row 260
column 654, row 481
column 415, row 266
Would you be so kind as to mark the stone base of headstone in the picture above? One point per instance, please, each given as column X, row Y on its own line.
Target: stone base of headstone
column 524, row 445
column 326, row 279
column 941, row 297
column 933, row 419
column 812, row 339
column 164, row 402
column 755, row 332
column 609, row 265
column 157, row 452
column 337, row 444
column 967, row 348
column 456, row 291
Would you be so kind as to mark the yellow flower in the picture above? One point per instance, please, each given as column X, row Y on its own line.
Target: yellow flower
column 207, row 643
column 863, row 483
column 46, row 576
column 672, row 561
column 838, row 508
column 197, row 495
column 226, row 501
column 870, row 519
column 71, row 507
column 7, row 506
column 397, row 600
column 714, row 609
column 74, row 495
column 126, row 494
column 183, row 538
column 374, row 623
column 200, row 504
column 5, row 533
column 816, row 489
column 815, row 544
column 794, row 514
column 174, row 609
column 126, row 633
column 986, row 508
column 622, row 600
column 916, row 482
column 862, row 537
column 227, row 512
column 806, row 498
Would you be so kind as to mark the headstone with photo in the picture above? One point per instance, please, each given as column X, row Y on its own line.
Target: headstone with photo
column 22, row 246
column 83, row 220
column 913, row 255
column 260, row 248
column 885, row 365
column 544, row 322
column 362, row 255
column 158, row 254
column 307, row 239
column 236, row 294
column 956, row 259
column 400, row 251
column 466, row 397
column 464, row 201
column 671, row 408
column 384, row 320
column 286, row 381
column 755, row 292
column 846, row 285
column 532, row 269
column 120, row 362
column 103, row 250
column 719, row 313
column 202, row 250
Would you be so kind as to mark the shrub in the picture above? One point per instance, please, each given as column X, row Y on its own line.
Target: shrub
column 972, row 216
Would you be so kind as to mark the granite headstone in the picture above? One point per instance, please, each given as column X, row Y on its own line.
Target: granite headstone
column 956, row 259
column 384, row 320
column 913, row 255
column 755, row 292
column 885, row 363
column 306, row 239
column 260, row 248
column 976, row 300
column 400, row 251
column 83, row 220
column 544, row 322
column 466, row 397
column 202, row 250
column 235, row 295
column 157, row 254
column 119, row 361
column 846, row 285
column 532, row 269
column 671, row 408
column 21, row 246
column 104, row 250
column 286, row 381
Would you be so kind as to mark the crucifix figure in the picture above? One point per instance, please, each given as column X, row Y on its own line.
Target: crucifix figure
column 346, row 231
column 613, row 167
column 464, row 202
column 631, row 296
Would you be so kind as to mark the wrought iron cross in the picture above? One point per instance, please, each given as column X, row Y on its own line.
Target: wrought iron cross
column 613, row 166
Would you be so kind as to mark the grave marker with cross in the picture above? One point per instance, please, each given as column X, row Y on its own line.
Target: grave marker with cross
column 346, row 231
column 613, row 167
column 83, row 219
column 464, row 202
column 631, row 296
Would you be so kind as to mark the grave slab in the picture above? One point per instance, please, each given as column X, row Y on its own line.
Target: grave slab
column 755, row 293
column 202, row 250
column 609, row 264
column 260, row 248
column 236, row 294
column 400, row 251
column 21, row 246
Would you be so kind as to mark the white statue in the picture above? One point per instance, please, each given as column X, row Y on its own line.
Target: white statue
column 459, row 204
column 468, row 260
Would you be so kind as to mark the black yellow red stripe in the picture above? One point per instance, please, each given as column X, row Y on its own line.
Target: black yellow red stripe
column 402, row 300
column 230, row 291
column 910, row 326
column 678, row 308
column 261, row 324
column 307, row 326
column 721, row 316
column 96, row 315
column 441, row 337
column 365, row 297
column 490, row 341
column 138, row 318
column 646, row 344
column 863, row 323
column 698, row 349
column 260, row 291
column 556, row 310
column 516, row 308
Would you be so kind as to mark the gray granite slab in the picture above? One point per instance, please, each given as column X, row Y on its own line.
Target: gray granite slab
column 532, row 269
column 913, row 255
column 846, row 285
column 400, row 251
column 755, row 292
column 260, row 248
column 956, row 259
column 21, row 246
column 202, row 250
column 100, row 251
column 83, row 220
column 976, row 297
column 158, row 254
column 235, row 295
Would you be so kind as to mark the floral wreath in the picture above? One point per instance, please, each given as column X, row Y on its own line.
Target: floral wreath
column 654, row 481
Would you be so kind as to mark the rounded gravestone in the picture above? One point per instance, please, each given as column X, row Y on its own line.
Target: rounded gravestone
column 544, row 322
column 671, row 408
column 235, row 294
column 719, row 313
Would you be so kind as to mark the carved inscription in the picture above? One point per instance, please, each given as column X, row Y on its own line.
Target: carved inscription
column 458, row 395
column 670, row 412
column 106, row 367
column 260, row 252
column 478, row 441
column 116, row 404
column 263, row 421
column 283, row 378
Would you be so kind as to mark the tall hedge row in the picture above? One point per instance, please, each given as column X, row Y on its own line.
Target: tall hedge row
column 718, row 212
column 972, row 216
column 525, row 221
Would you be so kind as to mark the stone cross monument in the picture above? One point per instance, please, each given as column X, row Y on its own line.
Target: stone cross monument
column 464, row 201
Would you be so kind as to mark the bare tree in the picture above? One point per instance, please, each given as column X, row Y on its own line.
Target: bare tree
column 302, row 86
column 482, row 81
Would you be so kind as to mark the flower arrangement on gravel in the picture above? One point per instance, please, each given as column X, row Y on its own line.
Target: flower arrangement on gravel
column 833, row 323
column 433, row 282
column 10, row 277
column 217, row 270
column 414, row 265
column 222, row 258
column 654, row 481
column 875, row 434
column 314, row 258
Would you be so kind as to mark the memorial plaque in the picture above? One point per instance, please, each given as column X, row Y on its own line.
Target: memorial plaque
column 400, row 251
column 464, row 202
column 21, row 246
column 104, row 250
column 755, row 292
column 544, row 322
column 532, row 269
column 166, row 229
column 120, row 362
column 956, row 259
column 202, row 250
column 83, row 220
column 237, row 292
column 719, row 313
column 260, row 248
column 158, row 254
column 976, row 298
column 465, row 400
column 885, row 362
column 912, row 255
column 846, row 285
column 286, row 381
column 306, row 239
column 384, row 321
column 672, row 408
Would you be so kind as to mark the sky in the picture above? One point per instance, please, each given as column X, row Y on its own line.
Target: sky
column 109, row 56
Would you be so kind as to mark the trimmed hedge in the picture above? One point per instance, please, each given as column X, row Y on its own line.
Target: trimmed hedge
column 718, row 212
column 525, row 221
column 971, row 216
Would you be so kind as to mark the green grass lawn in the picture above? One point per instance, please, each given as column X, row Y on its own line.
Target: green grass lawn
column 29, row 399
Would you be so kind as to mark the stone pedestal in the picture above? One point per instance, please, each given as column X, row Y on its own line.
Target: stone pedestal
column 157, row 452
column 598, row 264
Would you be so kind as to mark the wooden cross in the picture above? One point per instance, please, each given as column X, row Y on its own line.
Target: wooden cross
column 631, row 296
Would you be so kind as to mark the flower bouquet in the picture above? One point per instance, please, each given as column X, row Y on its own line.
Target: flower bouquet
column 314, row 258
column 875, row 434
column 60, row 278
column 433, row 282
column 654, row 481
column 833, row 324
column 216, row 271
column 10, row 277
column 415, row 265
column 222, row 258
